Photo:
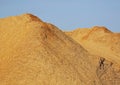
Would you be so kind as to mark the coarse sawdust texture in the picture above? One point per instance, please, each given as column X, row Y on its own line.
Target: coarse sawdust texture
column 102, row 43
column 33, row 52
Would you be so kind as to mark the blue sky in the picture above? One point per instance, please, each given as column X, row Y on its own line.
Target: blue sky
column 68, row 14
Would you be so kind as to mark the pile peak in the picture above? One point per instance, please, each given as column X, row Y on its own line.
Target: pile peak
column 100, row 28
column 30, row 17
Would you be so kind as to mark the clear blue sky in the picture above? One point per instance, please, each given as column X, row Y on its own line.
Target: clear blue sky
column 68, row 14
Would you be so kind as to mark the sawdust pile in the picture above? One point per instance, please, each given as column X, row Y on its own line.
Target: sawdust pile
column 34, row 52
column 105, row 45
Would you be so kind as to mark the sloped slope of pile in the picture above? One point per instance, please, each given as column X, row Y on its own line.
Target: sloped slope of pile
column 105, row 45
column 37, row 53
